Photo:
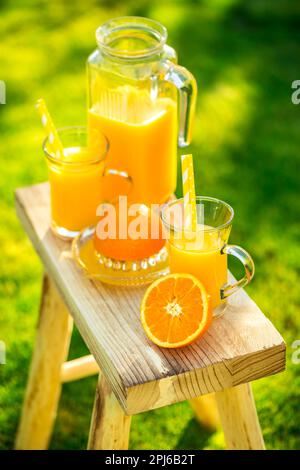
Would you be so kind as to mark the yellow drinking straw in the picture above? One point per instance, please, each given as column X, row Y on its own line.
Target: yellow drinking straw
column 189, row 195
column 50, row 129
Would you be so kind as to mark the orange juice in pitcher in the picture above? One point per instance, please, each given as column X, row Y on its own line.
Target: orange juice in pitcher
column 142, row 137
column 134, row 82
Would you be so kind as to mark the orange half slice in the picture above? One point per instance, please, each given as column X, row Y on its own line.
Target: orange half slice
column 176, row 310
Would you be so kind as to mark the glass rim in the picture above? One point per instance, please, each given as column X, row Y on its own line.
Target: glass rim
column 76, row 130
column 173, row 228
column 122, row 23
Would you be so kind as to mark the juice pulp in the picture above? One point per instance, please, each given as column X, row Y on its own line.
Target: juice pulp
column 75, row 187
column 204, row 262
column 143, row 140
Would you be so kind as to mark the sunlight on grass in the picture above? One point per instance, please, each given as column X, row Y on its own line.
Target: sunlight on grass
column 224, row 112
column 246, row 151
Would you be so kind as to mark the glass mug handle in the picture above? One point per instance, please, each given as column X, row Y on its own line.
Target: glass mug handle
column 123, row 174
column 246, row 260
column 186, row 85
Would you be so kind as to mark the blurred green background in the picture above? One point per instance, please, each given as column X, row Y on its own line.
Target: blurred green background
column 245, row 56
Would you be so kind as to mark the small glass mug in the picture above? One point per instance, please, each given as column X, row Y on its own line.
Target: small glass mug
column 203, row 253
column 79, row 179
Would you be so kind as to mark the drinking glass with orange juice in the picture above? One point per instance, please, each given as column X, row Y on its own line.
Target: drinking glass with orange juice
column 78, row 178
column 134, row 85
column 203, row 252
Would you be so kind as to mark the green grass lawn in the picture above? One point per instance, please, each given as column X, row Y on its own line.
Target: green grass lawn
column 246, row 146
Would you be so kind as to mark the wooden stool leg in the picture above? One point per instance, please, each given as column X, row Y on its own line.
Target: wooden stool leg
column 110, row 427
column 206, row 411
column 44, row 385
column 239, row 418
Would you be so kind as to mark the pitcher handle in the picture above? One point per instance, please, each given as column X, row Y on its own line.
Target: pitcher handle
column 186, row 85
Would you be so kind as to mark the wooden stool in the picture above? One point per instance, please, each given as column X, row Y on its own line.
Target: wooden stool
column 135, row 374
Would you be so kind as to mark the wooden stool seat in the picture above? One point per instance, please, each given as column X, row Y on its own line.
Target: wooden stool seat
column 241, row 346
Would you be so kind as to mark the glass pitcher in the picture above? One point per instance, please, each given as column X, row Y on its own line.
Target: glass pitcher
column 134, row 84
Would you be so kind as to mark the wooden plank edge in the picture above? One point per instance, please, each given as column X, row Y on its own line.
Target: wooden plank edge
column 173, row 383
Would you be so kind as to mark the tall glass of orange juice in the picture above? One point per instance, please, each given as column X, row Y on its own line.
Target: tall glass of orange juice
column 203, row 253
column 143, row 101
column 78, row 179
